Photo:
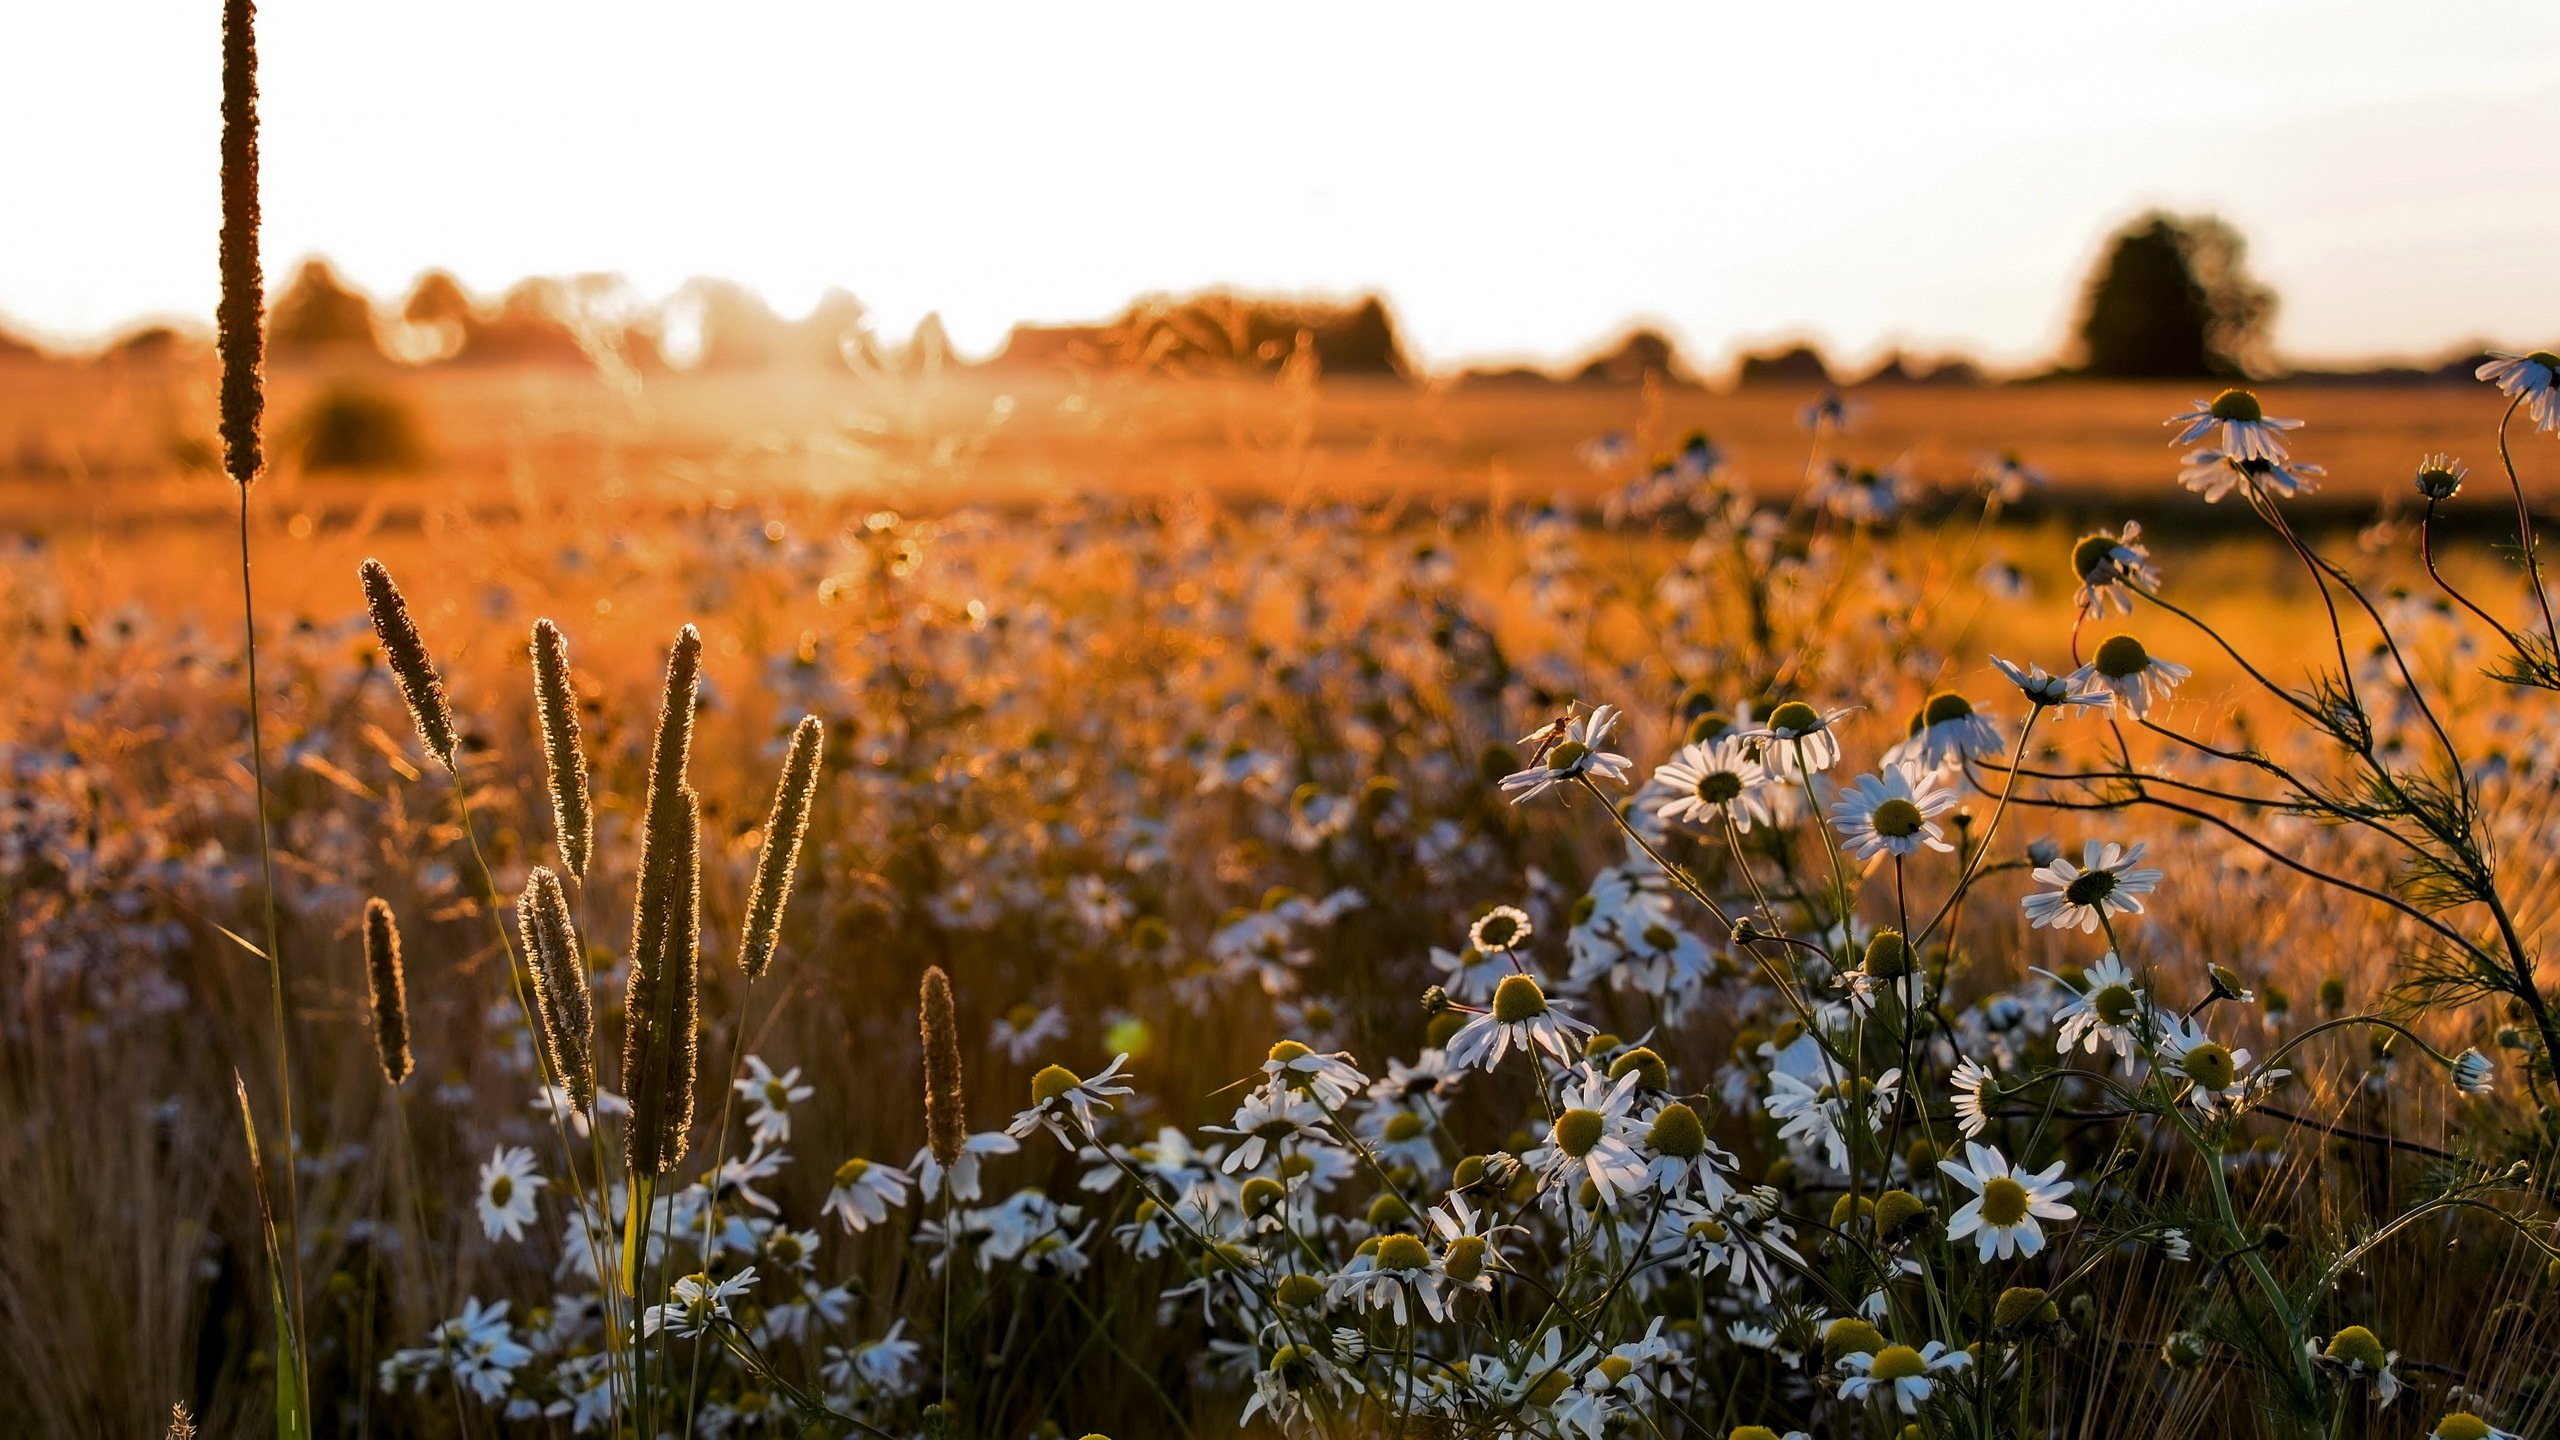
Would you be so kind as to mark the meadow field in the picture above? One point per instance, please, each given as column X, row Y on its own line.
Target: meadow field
column 1296, row 741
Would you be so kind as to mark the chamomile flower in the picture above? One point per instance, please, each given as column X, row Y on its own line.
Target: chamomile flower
column 507, row 1187
column 2217, row 1075
column 1899, row 1373
column 1816, row 1114
column 1395, row 1275
column 2215, row 473
column 1798, row 740
column 1684, row 1158
column 1025, row 1032
column 1521, row 1017
column 2049, row 692
column 2533, row 379
column 2006, row 1203
column 1572, row 752
column 1469, row 975
column 2235, row 423
column 1501, row 930
column 2134, row 676
column 964, row 1170
column 2107, row 881
column 1974, row 1088
column 1946, row 730
column 1889, row 812
column 2473, row 1073
column 1058, row 1093
column 769, row 1100
column 2107, row 1010
column 2440, row 477
column 2463, row 1425
column 2006, row 478
column 1269, row 1119
column 1714, row 780
column 478, row 1346
column 696, row 1303
column 1590, row 1139
column 865, row 1193
column 2356, row 1357
column 2110, row 568
column 1332, row 1079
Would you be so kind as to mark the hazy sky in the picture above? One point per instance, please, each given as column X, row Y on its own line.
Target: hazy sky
column 1518, row 179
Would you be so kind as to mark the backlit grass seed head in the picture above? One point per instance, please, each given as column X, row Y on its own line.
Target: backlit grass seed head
column 564, row 758
column 406, row 654
column 562, row 1002
column 388, row 989
column 240, row 330
column 663, row 1025
column 785, row 827
column 945, row 1126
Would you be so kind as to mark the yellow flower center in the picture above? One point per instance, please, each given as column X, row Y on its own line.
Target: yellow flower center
column 2237, row 405
column 1795, row 718
column 1052, row 1082
column 2356, row 1345
column 2116, row 1003
column 1898, row 1362
column 502, row 1189
column 1898, row 819
column 1518, row 998
column 1677, row 1132
column 1402, row 1252
column 1577, row 1131
column 2210, row 1066
column 2004, row 1201
column 1464, row 1259
column 1402, row 1126
column 1944, row 706
column 1616, row 1367
column 2122, row 656
column 851, row 1171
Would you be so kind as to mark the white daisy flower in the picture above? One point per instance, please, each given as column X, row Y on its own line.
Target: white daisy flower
column 2473, row 1072
column 1399, row 1270
column 1521, row 1016
column 1899, row 1373
column 2463, row 1425
column 1684, row 1158
column 865, row 1193
column 2218, row 1075
column 507, row 1187
column 2107, row 1010
column 2235, row 423
column 1571, row 751
column 2110, row 568
column 1947, row 730
column 1590, row 1138
column 1974, row 1088
column 1270, row 1118
column 1332, row 1079
column 1500, row 930
column 2137, row 679
column 696, row 1303
column 2047, row 692
column 1816, row 1115
column 2215, row 473
column 2354, row 1355
column 2006, row 1203
column 2534, row 379
column 964, row 1170
column 1715, row 779
column 1888, row 813
column 2007, row 478
column 769, row 1100
column 1058, row 1093
column 1026, row 1032
column 1798, row 740
column 2105, row 882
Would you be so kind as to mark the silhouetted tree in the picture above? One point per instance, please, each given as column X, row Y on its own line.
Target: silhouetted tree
column 319, row 316
column 2172, row 298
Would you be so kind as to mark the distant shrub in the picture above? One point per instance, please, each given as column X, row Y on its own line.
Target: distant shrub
column 1801, row 365
column 354, row 428
column 319, row 316
column 2172, row 299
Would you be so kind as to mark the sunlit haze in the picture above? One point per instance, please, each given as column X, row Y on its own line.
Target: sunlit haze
column 1519, row 181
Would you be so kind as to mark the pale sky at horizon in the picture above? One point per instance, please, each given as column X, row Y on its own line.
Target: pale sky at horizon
column 1520, row 182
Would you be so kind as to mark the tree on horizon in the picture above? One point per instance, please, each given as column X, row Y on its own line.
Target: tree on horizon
column 2173, row 299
